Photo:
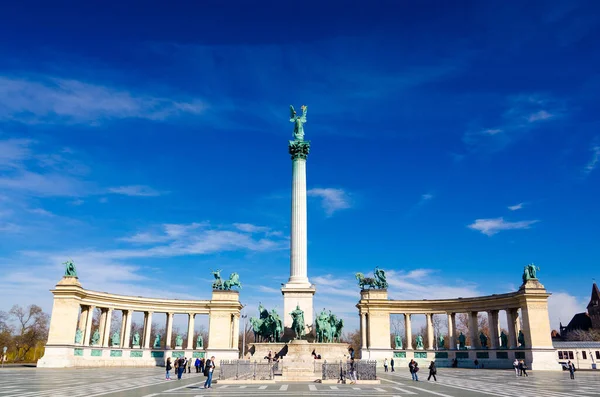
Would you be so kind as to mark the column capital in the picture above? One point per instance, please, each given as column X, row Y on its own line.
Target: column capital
column 299, row 149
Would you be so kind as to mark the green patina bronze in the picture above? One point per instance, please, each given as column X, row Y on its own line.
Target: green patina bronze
column 482, row 355
column 70, row 270
column 178, row 341
column 268, row 326
column 299, row 121
column 298, row 325
column 116, row 353
column 328, row 327
column 398, row 342
column 462, row 355
column 462, row 339
column 501, row 355
column 399, row 354
column 96, row 338
column 530, row 272
column 419, row 340
column 379, row 280
column 441, row 354
column 226, row 285
column 483, row 339
column 78, row 352
column 115, row 339
column 441, row 342
column 136, row 353
column 96, row 352
column 503, row 340
column 420, row 354
column 136, row 339
column 178, row 354
column 199, row 342
column 157, row 354
column 78, row 336
column 299, row 149
column 521, row 339
column 156, row 344
column 198, row 354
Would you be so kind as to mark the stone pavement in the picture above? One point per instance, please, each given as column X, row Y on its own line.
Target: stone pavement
column 149, row 382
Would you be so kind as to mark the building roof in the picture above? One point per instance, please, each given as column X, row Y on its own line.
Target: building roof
column 575, row 345
column 595, row 299
column 579, row 321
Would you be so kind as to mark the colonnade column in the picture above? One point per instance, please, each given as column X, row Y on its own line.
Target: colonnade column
column 236, row 332
column 148, row 330
column 123, row 324
column 430, row 338
column 510, row 319
column 408, row 332
column 451, row 330
column 106, row 329
column 363, row 330
column 82, row 318
column 190, row 331
column 169, row 330
column 126, row 341
column 102, row 325
column 88, row 325
column 473, row 330
column 494, row 333
column 517, row 324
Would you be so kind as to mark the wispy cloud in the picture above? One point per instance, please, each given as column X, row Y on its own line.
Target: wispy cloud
column 539, row 115
column 424, row 199
column 593, row 163
column 332, row 199
column 491, row 131
column 493, row 226
column 135, row 190
column 516, row 206
column 54, row 100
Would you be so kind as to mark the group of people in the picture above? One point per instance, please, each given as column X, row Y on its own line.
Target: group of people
column 207, row 367
column 520, row 368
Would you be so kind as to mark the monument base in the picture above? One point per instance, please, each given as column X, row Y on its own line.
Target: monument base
column 298, row 296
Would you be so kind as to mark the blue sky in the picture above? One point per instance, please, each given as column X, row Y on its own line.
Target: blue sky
column 452, row 143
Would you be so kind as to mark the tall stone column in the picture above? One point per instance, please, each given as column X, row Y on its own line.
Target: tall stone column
column 102, row 324
column 363, row 330
column 298, row 291
column 408, row 332
column 126, row 337
column 190, row 331
column 169, row 330
column 473, row 328
column 148, row 330
column 123, row 325
column 451, row 330
column 82, row 318
column 235, row 341
column 106, row 333
column 88, row 325
column 494, row 329
column 512, row 337
column 430, row 337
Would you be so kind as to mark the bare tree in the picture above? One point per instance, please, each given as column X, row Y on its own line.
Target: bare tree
column 462, row 325
column 353, row 339
column 591, row 335
column 32, row 325
column 397, row 327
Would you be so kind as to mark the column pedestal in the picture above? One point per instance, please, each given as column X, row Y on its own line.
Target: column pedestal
column 298, row 296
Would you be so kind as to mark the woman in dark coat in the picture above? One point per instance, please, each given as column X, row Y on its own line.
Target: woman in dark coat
column 432, row 371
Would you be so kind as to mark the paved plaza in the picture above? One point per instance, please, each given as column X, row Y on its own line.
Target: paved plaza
column 149, row 382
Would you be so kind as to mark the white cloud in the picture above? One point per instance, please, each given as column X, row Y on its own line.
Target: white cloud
column 593, row 163
column 563, row 306
column 249, row 228
column 491, row 131
column 54, row 100
column 538, row 116
column 269, row 290
column 333, row 199
column 492, row 226
column 426, row 197
column 14, row 151
column 516, row 207
column 135, row 190
column 41, row 211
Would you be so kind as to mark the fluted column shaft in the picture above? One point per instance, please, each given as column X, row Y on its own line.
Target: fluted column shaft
column 512, row 337
column 190, row 332
column 494, row 329
column 298, row 248
column 430, row 338
column 148, row 330
column 452, row 330
column 126, row 337
column 363, row 330
column 106, row 329
column 408, row 332
column 169, row 330
column 88, row 325
column 475, row 343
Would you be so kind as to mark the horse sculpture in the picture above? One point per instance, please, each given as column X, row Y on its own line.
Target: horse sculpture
column 226, row 285
column 365, row 282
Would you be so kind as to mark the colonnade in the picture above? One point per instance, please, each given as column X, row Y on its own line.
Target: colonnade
column 527, row 306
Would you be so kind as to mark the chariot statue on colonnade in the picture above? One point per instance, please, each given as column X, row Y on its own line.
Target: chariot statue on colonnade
column 379, row 281
column 225, row 285
column 530, row 272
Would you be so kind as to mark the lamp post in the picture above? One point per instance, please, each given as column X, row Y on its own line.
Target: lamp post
column 244, row 317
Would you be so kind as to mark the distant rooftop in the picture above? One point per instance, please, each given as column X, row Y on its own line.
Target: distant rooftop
column 575, row 345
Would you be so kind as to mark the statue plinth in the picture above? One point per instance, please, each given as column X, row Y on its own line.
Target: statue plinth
column 136, row 346
column 533, row 285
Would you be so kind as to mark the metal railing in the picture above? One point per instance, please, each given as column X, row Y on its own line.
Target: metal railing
column 246, row 370
column 365, row 369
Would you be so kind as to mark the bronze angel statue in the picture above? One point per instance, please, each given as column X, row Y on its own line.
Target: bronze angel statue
column 298, row 122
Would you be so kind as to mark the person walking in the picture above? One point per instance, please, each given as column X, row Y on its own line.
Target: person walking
column 523, row 368
column 180, row 367
column 352, row 371
column 189, row 365
column 176, row 365
column 202, row 366
column 571, row 368
column 392, row 364
column 209, row 369
column 168, row 367
column 385, row 365
column 516, row 367
column 413, row 367
column 197, row 365
column 432, row 371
